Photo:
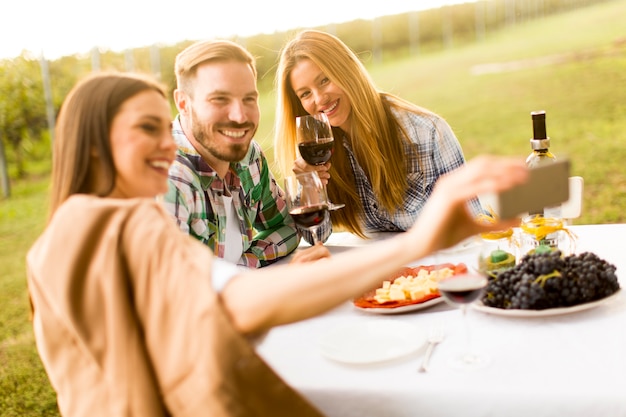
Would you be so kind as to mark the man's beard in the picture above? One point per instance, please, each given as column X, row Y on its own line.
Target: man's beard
column 229, row 153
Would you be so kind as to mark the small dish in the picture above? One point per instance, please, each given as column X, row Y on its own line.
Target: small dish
column 403, row 308
column 371, row 341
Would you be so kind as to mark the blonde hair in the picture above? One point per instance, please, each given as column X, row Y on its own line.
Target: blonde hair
column 376, row 136
column 190, row 58
column 82, row 146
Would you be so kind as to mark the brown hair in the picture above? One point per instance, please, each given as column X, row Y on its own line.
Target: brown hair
column 198, row 53
column 375, row 137
column 82, row 147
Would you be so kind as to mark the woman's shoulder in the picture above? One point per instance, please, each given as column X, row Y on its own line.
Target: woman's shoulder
column 85, row 222
column 415, row 120
column 81, row 209
column 406, row 111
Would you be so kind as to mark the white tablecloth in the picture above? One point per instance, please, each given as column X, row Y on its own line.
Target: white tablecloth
column 570, row 365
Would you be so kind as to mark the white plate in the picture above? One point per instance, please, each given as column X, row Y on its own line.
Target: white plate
column 402, row 309
column 371, row 341
column 543, row 313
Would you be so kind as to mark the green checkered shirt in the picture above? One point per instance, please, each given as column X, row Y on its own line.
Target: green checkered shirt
column 194, row 199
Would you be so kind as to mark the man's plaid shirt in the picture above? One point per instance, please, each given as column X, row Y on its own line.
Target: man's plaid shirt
column 194, row 198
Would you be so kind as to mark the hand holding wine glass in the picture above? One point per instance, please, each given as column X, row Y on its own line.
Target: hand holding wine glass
column 306, row 201
column 316, row 142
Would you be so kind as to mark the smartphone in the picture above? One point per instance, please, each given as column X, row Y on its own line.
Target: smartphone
column 547, row 185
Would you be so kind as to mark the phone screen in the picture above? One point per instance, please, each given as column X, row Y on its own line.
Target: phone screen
column 547, row 185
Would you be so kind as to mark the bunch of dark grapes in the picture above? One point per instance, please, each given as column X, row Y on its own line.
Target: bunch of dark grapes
column 550, row 280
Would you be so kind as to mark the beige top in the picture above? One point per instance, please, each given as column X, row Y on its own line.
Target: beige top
column 127, row 323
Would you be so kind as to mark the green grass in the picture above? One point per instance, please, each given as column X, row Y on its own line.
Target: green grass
column 583, row 94
column 24, row 388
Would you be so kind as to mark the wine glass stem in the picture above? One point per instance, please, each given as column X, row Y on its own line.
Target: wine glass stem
column 314, row 236
column 468, row 339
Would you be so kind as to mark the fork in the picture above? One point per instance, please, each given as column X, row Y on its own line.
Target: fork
column 435, row 336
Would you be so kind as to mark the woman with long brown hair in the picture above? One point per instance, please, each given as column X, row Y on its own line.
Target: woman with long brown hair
column 388, row 152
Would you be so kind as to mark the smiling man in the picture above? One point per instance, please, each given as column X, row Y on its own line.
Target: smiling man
column 221, row 190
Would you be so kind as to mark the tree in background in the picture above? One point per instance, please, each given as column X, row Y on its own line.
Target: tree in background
column 22, row 110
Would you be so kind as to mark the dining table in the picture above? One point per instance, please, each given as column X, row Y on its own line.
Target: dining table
column 539, row 364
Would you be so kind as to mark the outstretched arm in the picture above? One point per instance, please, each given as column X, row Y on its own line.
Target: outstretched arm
column 261, row 299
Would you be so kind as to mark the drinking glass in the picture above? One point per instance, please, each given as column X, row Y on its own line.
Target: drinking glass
column 316, row 142
column 460, row 291
column 306, row 201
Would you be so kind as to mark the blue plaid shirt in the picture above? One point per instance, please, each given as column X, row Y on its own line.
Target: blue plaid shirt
column 434, row 150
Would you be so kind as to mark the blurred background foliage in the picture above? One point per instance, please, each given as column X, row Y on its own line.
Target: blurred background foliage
column 25, row 131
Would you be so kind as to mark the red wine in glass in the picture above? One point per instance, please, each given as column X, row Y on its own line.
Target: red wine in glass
column 317, row 153
column 310, row 216
column 316, row 142
column 307, row 201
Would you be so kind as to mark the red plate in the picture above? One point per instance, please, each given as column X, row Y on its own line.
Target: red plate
column 367, row 300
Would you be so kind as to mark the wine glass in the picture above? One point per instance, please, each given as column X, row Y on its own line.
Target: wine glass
column 306, row 201
column 316, row 142
column 460, row 291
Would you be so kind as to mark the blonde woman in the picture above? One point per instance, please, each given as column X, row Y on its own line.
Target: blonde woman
column 388, row 152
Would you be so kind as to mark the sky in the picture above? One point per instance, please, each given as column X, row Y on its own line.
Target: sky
column 55, row 28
